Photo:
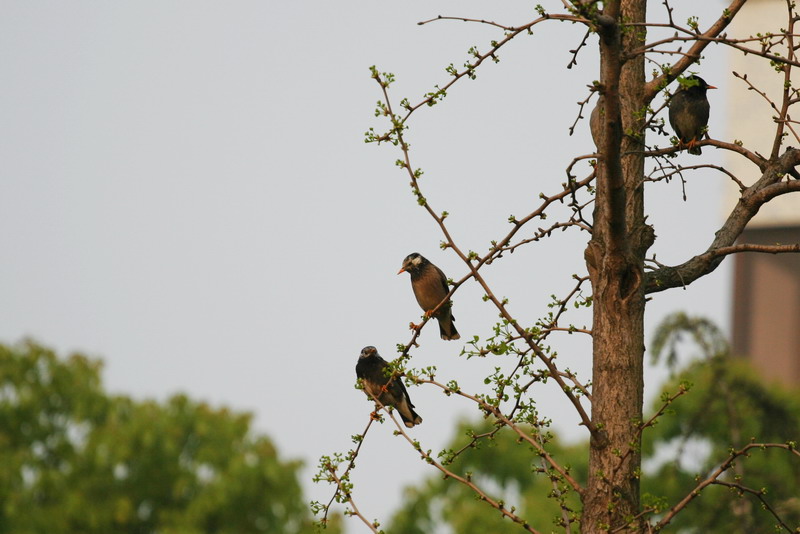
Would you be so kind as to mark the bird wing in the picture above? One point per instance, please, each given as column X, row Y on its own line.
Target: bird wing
column 443, row 279
column 399, row 393
column 676, row 108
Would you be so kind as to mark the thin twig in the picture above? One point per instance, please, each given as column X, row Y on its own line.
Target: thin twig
column 714, row 476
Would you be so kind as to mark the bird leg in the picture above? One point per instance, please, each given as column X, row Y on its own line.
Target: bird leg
column 374, row 416
column 412, row 326
column 692, row 143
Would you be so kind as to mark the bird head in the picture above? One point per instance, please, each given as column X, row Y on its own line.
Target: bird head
column 412, row 263
column 693, row 81
column 368, row 351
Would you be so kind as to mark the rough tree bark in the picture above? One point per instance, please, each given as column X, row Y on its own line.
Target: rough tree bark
column 615, row 258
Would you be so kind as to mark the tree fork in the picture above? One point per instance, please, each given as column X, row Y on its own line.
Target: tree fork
column 615, row 259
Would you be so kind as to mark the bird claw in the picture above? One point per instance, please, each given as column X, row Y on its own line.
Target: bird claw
column 428, row 314
column 374, row 416
column 412, row 326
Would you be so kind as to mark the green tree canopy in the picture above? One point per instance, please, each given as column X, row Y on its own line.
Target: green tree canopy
column 727, row 408
column 75, row 459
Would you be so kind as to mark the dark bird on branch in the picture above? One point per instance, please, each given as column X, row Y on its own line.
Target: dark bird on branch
column 371, row 369
column 688, row 112
column 430, row 287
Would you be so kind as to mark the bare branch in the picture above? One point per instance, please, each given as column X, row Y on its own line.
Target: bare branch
column 783, row 113
column 342, row 493
column 464, row 19
column 758, row 494
column 349, row 499
column 574, row 61
column 474, row 266
column 497, row 505
column 766, row 188
column 686, row 273
column 494, row 411
column 511, row 33
column 714, row 476
column 678, row 169
column 733, row 147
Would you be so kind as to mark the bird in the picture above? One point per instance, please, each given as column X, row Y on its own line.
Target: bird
column 371, row 369
column 595, row 123
column 430, row 288
column 688, row 112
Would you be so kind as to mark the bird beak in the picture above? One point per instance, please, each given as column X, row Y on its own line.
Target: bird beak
column 401, row 271
column 711, row 87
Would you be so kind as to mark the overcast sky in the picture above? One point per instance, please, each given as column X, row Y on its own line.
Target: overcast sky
column 185, row 193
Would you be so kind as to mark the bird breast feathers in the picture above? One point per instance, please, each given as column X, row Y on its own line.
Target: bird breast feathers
column 429, row 290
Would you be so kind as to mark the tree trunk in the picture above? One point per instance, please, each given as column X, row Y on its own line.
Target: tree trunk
column 615, row 258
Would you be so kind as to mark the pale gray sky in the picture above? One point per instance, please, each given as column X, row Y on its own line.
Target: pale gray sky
column 186, row 194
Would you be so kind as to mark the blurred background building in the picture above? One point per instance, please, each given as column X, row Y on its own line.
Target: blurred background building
column 766, row 287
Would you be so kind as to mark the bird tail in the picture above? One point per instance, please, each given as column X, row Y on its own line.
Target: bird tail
column 411, row 422
column 447, row 329
column 408, row 415
column 695, row 150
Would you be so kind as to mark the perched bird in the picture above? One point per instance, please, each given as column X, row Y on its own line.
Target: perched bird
column 595, row 123
column 688, row 112
column 371, row 370
column 430, row 287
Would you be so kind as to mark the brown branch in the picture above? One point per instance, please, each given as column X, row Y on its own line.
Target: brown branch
column 758, row 495
column 574, row 61
column 750, row 247
column 338, row 480
column 581, row 387
column 568, row 189
column 692, row 36
column 546, row 232
column 581, row 105
column 787, row 84
column 782, row 119
column 732, row 43
column 497, row 505
column 538, row 378
column 701, row 42
column 759, row 161
column 626, row 525
column 529, row 339
column 714, row 476
column 351, row 502
column 463, row 19
column 512, row 32
column 766, row 188
column 558, row 493
column 666, row 175
column 495, row 411
column 682, row 390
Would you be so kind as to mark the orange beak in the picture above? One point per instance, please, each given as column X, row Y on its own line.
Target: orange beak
column 712, row 87
column 401, row 271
